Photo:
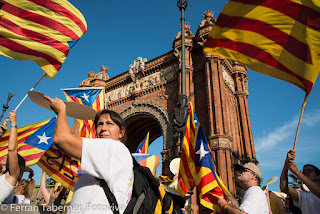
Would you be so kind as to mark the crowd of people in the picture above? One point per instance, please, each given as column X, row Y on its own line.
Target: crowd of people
column 107, row 158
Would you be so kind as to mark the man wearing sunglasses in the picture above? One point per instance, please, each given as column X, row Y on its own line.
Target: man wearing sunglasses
column 254, row 200
column 308, row 202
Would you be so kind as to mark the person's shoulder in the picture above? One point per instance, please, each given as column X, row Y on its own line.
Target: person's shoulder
column 256, row 189
column 307, row 194
column 108, row 143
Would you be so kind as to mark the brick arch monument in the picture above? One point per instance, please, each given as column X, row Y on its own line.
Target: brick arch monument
column 146, row 96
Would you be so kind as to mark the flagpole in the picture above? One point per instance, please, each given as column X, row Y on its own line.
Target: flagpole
column 44, row 75
column 302, row 110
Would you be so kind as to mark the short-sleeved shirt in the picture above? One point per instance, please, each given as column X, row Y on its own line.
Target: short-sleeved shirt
column 308, row 202
column 254, row 201
column 104, row 159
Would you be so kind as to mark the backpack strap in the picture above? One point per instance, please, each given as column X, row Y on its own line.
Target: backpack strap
column 112, row 200
column 139, row 203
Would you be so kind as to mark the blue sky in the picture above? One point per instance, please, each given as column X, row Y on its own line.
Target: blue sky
column 120, row 31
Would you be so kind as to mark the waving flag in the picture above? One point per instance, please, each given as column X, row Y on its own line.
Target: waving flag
column 147, row 160
column 60, row 167
column 40, row 30
column 144, row 145
column 163, row 178
column 196, row 167
column 92, row 97
column 33, row 140
column 277, row 38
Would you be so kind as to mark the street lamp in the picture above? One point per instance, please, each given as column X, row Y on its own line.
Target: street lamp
column 182, row 4
column 181, row 111
column 6, row 106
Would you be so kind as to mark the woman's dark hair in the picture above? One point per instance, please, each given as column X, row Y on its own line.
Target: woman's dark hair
column 21, row 163
column 116, row 118
column 316, row 169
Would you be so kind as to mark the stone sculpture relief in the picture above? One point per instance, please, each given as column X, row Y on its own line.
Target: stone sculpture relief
column 227, row 79
column 138, row 64
column 141, row 84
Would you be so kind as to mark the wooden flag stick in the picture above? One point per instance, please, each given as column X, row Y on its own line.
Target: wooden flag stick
column 44, row 75
column 302, row 110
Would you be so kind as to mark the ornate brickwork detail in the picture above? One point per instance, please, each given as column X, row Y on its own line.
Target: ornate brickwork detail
column 228, row 79
column 87, row 82
column 169, row 73
column 134, row 87
column 187, row 31
column 138, row 64
column 142, row 84
column 207, row 18
column 245, row 85
column 102, row 75
column 220, row 143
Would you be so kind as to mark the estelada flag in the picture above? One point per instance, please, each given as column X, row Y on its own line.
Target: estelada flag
column 33, row 140
column 147, row 160
column 196, row 166
column 60, row 167
column 89, row 96
column 40, row 30
column 144, row 145
column 277, row 38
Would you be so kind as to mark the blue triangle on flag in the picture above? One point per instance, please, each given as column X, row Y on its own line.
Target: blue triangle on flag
column 72, row 43
column 42, row 138
column 86, row 96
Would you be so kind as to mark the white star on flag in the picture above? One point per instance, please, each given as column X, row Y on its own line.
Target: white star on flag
column 85, row 97
column 202, row 152
column 43, row 138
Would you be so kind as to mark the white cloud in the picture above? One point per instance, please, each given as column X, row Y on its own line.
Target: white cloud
column 286, row 131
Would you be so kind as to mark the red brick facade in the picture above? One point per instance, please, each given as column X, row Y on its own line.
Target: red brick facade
column 147, row 94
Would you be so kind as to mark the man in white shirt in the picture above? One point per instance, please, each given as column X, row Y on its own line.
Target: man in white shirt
column 308, row 202
column 254, row 200
column 104, row 158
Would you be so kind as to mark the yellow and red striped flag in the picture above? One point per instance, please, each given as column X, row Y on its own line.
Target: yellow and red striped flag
column 147, row 160
column 40, row 30
column 60, row 167
column 163, row 178
column 90, row 96
column 144, row 145
column 33, row 140
column 277, row 38
column 196, row 166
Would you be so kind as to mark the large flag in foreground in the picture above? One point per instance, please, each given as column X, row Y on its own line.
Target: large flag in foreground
column 60, row 167
column 144, row 145
column 277, row 38
column 92, row 97
column 40, row 30
column 33, row 140
column 196, row 167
